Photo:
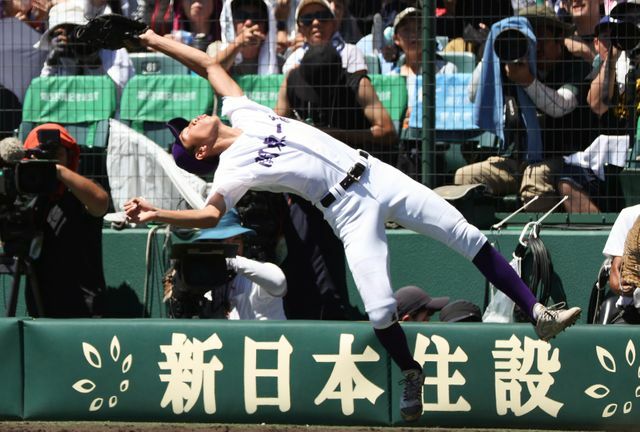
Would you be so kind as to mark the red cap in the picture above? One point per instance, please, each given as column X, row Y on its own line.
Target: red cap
column 66, row 140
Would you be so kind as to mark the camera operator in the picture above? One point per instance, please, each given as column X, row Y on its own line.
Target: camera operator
column 535, row 102
column 253, row 292
column 69, row 268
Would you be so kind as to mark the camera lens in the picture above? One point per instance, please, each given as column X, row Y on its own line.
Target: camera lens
column 511, row 45
column 625, row 35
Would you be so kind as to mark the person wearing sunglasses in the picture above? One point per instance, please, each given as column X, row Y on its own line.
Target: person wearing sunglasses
column 249, row 43
column 317, row 24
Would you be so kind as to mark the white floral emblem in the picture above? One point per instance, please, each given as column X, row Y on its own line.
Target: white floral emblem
column 608, row 363
column 94, row 359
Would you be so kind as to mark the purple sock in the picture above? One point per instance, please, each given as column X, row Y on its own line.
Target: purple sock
column 498, row 271
column 394, row 341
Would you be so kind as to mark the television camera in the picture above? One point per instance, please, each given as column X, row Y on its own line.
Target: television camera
column 197, row 283
column 22, row 183
column 26, row 178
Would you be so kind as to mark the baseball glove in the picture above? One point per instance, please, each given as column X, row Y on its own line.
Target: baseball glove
column 111, row 32
column 630, row 269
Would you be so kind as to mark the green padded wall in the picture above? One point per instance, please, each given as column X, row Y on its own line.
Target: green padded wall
column 11, row 369
column 326, row 373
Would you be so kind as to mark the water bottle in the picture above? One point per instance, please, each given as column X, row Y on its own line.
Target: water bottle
column 182, row 36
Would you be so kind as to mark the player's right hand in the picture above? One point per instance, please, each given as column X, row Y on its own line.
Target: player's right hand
column 138, row 210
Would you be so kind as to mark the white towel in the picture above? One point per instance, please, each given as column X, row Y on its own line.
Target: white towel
column 267, row 60
column 606, row 149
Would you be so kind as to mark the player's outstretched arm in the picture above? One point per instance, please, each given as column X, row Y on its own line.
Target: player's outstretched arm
column 138, row 210
column 196, row 60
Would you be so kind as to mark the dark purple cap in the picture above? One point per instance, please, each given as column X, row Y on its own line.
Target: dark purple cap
column 182, row 157
column 461, row 311
column 411, row 298
column 605, row 22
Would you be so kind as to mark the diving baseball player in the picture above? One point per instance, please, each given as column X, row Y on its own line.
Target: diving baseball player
column 356, row 192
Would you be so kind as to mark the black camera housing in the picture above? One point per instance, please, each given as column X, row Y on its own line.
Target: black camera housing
column 625, row 35
column 200, row 267
column 511, row 46
column 49, row 143
column 27, row 177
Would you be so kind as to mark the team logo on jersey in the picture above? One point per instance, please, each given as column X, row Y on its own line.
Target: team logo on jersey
column 266, row 158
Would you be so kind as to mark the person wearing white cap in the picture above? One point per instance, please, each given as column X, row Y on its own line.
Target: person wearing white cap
column 70, row 57
column 316, row 21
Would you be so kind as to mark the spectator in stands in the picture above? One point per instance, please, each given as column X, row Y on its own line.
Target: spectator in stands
column 193, row 22
column 388, row 10
column 585, row 15
column 606, row 95
column 285, row 11
column 407, row 35
column 67, row 56
column 317, row 24
column 69, row 268
column 197, row 23
column 584, row 172
column 545, row 92
column 465, row 23
column 614, row 249
column 254, row 292
column 414, row 304
column 33, row 13
column 347, row 25
column 343, row 104
column 248, row 44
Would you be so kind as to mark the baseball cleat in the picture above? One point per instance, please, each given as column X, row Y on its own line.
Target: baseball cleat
column 411, row 402
column 552, row 320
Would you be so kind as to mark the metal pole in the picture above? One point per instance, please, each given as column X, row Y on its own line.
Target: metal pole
column 428, row 93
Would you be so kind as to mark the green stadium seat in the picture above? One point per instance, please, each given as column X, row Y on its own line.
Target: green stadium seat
column 262, row 89
column 392, row 92
column 83, row 104
column 149, row 101
column 157, row 64
column 373, row 63
column 464, row 60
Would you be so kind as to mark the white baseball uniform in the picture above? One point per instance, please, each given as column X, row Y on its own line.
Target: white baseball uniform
column 278, row 154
